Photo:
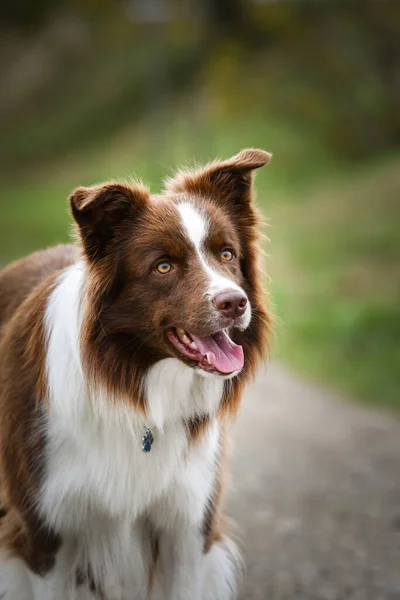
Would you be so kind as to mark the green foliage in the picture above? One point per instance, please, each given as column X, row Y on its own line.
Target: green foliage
column 333, row 67
column 336, row 284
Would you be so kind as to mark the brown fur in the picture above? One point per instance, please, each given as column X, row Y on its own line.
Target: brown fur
column 18, row 280
column 24, row 290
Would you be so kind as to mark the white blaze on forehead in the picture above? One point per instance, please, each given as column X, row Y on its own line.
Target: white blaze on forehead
column 194, row 222
column 196, row 226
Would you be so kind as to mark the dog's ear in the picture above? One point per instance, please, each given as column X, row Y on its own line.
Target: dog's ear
column 101, row 210
column 228, row 181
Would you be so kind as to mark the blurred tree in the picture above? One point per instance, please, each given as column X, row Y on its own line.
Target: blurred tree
column 25, row 14
column 334, row 66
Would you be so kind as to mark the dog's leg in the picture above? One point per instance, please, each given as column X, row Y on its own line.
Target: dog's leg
column 42, row 587
column 18, row 582
column 53, row 586
column 181, row 557
column 221, row 569
column 188, row 573
column 14, row 581
column 60, row 583
column 58, row 586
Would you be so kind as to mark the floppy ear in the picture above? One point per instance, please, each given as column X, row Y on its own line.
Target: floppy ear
column 101, row 210
column 229, row 181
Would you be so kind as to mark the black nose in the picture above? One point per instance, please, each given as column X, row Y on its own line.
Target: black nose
column 231, row 304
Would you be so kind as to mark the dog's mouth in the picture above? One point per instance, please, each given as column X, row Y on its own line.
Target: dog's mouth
column 215, row 353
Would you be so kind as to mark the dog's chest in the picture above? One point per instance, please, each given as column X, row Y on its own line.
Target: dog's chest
column 96, row 464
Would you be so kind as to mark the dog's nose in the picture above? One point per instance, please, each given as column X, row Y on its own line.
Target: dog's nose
column 231, row 304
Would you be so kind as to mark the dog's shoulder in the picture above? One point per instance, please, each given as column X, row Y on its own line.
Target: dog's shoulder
column 21, row 277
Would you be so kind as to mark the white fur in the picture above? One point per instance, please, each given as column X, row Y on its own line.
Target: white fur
column 195, row 225
column 222, row 568
column 104, row 496
column 14, row 580
column 19, row 583
column 189, row 392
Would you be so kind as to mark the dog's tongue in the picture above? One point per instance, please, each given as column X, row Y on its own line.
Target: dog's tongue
column 225, row 355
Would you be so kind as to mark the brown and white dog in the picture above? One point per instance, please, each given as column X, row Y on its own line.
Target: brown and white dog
column 121, row 360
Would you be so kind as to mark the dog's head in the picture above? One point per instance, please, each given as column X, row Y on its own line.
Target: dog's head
column 175, row 275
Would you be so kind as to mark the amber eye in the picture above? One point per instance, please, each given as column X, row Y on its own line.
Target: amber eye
column 227, row 255
column 164, row 267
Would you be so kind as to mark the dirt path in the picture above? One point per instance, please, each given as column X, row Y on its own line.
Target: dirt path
column 316, row 494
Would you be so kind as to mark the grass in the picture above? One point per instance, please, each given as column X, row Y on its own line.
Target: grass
column 335, row 267
column 334, row 251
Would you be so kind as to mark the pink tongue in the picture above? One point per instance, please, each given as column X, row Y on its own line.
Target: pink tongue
column 225, row 355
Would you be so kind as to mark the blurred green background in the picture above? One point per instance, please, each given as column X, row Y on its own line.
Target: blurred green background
column 93, row 90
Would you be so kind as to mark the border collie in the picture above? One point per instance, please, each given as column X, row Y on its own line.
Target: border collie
column 122, row 359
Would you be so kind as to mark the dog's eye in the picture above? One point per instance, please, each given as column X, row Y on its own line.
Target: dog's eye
column 227, row 255
column 164, row 267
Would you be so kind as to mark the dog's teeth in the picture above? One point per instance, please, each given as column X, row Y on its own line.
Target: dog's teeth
column 185, row 339
column 180, row 332
column 208, row 356
column 193, row 345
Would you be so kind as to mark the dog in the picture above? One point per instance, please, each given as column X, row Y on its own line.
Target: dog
column 123, row 358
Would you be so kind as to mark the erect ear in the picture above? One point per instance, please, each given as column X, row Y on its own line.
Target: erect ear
column 101, row 210
column 228, row 181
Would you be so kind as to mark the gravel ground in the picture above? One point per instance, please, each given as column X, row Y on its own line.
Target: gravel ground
column 315, row 494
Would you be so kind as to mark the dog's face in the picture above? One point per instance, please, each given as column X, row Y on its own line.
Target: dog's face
column 174, row 272
column 183, row 289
